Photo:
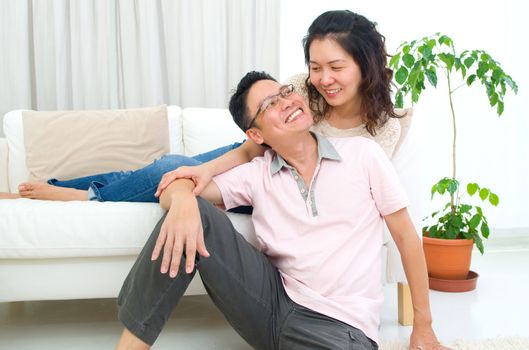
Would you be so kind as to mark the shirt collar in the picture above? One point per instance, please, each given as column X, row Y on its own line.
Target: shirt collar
column 325, row 150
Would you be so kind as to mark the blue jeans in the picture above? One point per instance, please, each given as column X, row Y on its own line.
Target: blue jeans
column 138, row 185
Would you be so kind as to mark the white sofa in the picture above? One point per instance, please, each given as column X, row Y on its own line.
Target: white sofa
column 76, row 250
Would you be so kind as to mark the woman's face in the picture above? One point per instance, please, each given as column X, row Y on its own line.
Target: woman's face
column 334, row 73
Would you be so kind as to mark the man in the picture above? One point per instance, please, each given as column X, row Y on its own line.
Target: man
column 319, row 207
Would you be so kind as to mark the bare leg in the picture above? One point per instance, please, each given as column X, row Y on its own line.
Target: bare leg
column 129, row 341
column 41, row 190
column 6, row 195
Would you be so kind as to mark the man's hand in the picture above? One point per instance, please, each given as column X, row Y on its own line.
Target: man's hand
column 423, row 338
column 199, row 174
column 181, row 229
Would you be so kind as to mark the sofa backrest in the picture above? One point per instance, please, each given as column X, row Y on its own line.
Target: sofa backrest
column 205, row 129
column 4, row 185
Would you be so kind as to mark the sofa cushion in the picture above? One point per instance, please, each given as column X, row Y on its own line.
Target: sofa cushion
column 71, row 144
column 82, row 229
column 14, row 131
column 206, row 129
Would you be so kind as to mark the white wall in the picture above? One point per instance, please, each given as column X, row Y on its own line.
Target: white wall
column 493, row 151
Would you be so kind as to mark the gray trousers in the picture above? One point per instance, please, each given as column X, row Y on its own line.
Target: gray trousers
column 242, row 283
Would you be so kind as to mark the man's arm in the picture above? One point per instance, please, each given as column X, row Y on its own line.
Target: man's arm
column 182, row 227
column 410, row 248
column 202, row 174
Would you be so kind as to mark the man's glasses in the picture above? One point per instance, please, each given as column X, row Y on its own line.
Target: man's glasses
column 272, row 101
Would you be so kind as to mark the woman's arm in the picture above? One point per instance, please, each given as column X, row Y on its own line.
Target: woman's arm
column 410, row 249
column 202, row 174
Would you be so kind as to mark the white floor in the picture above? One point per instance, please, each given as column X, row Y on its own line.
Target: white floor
column 498, row 307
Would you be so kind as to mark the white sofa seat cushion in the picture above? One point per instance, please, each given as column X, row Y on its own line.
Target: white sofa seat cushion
column 51, row 229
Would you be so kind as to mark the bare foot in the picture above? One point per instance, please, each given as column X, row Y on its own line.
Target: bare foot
column 129, row 341
column 41, row 190
column 6, row 195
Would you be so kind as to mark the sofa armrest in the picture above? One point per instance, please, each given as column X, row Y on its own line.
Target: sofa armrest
column 4, row 185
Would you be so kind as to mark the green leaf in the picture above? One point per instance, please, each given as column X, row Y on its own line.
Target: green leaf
column 434, row 189
column 399, row 100
column 408, row 60
column 414, row 75
column 465, row 208
column 448, row 59
column 401, row 75
column 474, row 222
column 463, row 71
column 468, row 62
column 452, row 232
column 511, row 83
column 415, row 95
column 426, row 52
column 443, row 39
column 432, row 76
column 483, row 67
column 485, row 230
column 484, row 193
column 497, row 73
column 406, row 49
column 493, row 199
column 479, row 243
column 452, row 187
column 431, row 43
column 393, row 62
column 433, row 231
column 493, row 99
column 441, row 187
column 471, row 79
column 472, row 188
column 500, row 108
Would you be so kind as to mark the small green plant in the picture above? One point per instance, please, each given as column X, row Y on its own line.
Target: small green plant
column 422, row 60
column 460, row 220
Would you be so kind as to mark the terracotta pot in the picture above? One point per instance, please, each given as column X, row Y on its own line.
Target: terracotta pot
column 447, row 258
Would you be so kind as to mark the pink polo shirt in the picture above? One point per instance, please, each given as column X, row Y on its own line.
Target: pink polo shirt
column 325, row 238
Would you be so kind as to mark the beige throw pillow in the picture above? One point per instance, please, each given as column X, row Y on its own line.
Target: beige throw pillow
column 71, row 144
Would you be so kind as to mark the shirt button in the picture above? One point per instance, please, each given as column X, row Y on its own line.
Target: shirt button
column 296, row 177
column 302, row 190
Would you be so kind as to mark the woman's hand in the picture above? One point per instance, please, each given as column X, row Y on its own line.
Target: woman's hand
column 199, row 174
column 423, row 338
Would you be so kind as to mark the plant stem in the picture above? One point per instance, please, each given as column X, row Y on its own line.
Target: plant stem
column 454, row 140
column 452, row 91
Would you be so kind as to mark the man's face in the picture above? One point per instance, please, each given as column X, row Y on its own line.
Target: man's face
column 275, row 112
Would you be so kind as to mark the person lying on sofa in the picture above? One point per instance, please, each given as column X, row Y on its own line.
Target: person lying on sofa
column 348, row 89
column 319, row 209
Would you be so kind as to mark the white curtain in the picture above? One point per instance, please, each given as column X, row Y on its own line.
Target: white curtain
column 95, row 54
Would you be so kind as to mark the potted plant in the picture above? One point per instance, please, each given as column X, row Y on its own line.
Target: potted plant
column 457, row 223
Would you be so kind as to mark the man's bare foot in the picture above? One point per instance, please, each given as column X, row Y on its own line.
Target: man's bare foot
column 41, row 190
column 6, row 195
column 129, row 341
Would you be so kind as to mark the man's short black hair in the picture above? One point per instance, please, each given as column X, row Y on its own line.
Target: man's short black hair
column 238, row 106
